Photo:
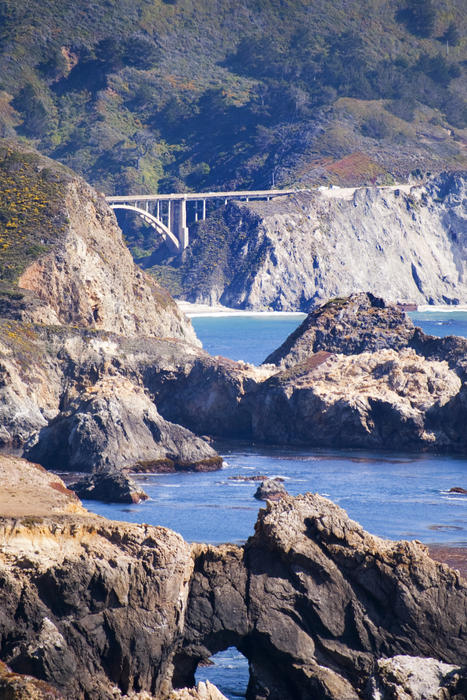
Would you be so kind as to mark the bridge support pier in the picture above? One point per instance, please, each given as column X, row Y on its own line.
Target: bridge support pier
column 180, row 228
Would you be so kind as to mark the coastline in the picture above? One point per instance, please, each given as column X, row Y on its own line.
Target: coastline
column 218, row 311
column 445, row 309
column 195, row 310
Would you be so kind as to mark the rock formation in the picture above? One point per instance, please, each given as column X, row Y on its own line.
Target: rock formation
column 359, row 323
column 407, row 390
column 403, row 243
column 17, row 686
column 270, row 490
column 104, row 388
column 412, row 678
column 102, row 609
column 110, row 487
column 82, row 273
column 70, row 297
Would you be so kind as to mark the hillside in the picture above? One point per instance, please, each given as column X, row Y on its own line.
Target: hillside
column 172, row 94
column 404, row 243
column 63, row 259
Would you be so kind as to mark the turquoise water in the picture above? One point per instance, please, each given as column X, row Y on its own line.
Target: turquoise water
column 391, row 495
column 253, row 338
column 247, row 338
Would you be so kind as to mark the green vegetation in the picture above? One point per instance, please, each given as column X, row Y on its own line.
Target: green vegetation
column 139, row 95
column 31, row 212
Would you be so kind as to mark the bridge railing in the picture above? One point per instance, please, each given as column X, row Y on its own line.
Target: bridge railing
column 170, row 210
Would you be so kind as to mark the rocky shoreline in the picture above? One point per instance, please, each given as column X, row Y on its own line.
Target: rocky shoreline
column 95, row 608
column 101, row 373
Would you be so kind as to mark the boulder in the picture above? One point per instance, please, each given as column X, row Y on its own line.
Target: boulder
column 110, row 487
column 115, row 425
column 270, row 490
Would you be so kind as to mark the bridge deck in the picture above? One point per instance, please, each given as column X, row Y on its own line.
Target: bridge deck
column 190, row 196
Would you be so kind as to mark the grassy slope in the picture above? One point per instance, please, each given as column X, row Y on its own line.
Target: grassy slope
column 31, row 209
column 163, row 104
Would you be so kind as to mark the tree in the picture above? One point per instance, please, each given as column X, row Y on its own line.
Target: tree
column 140, row 51
column 451, row 36
column 419, row 16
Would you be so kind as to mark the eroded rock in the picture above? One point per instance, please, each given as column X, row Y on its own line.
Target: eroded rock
column 110, row 487
column 358, row 323
column 115, row 425
column 270, row 490
column 98, row 609
column 381, row 399
column 413, row 678
column 404, row 243
column 15, row 686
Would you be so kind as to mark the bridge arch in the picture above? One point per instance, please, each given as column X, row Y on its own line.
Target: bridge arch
column 153, row 221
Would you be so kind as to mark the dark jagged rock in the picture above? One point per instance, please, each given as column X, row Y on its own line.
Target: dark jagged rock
column 458, row 489
column 110, row 487
column 270, row 490
column 312, row 601
column 358, row 323
column 115, row 425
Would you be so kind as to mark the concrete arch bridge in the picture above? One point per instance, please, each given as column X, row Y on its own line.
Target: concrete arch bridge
column 171, row 214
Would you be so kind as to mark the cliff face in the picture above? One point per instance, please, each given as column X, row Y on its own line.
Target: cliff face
column 89, row 279
column 70, row 298
column 64, row 259
column 402, row 243
column 101, row 609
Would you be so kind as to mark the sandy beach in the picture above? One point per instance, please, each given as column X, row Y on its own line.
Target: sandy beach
column 218, row 311
column 199, row 310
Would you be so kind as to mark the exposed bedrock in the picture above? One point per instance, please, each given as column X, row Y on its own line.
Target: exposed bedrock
column 100, row 609
column 404, row 243
column 313, row 601
column 95, row 400
column 88, row 278
column 358, row 373
column 351, row 325
column 114, row 424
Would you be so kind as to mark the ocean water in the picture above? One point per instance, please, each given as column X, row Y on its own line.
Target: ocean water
column 394, row 495
column 441, row 323
column 247, row 338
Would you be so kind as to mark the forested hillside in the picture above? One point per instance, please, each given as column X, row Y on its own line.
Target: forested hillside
column 140, row 95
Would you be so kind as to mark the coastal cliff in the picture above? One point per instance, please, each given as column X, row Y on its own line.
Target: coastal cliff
column 128, row 387
column 405, row 244
column 101, row 609
column 70, row 298
column 64, row 260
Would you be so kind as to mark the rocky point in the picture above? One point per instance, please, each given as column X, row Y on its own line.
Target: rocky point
column 319, row 607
